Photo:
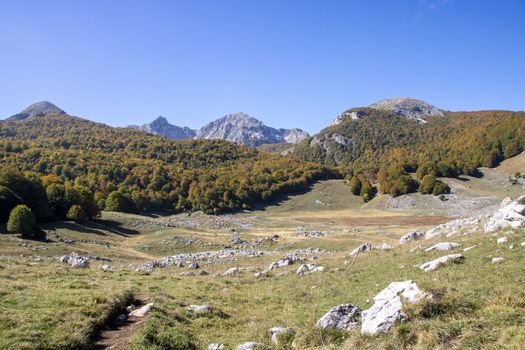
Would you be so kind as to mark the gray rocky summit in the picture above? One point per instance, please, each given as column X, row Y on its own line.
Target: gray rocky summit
column 39, row 108
column 243, row 129
column 162, row 127
column 410, row 108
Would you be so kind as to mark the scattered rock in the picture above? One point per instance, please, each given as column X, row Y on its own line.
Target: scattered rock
column 344, row 316
column 234, row 271
column 187, row 274
column 497, row 260
column 385, row 246
column 277, row 332
column 365, row 247
column 122, row 318
column 199, row 309
column 237, row 240
column 388, row 306
column 435, row 264
column 76, row 261
column 192, row 265
column 411, row 236
column 250, row 346
column 106, row 268
column 215, row 346
column 263, row 273
column 308, row 268
column 141, row 312
column 511, row 214
column 289, row 260
column 443, row 246
column 202, row 273
column 502, row 240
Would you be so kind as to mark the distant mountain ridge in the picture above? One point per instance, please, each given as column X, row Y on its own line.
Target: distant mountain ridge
column 39, row 108
column 161, row 126
column 243, row 129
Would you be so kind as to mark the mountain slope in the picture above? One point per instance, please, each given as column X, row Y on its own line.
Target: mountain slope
column 160, row 126
column 151, row 172
column 243, row 129
column 39, row 108
column 378, row 138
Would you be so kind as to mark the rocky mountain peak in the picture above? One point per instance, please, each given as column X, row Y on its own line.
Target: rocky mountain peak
column 408, row 107
column 161, row 126
column 39, row 108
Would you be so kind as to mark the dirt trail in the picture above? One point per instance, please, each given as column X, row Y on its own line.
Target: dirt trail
column 117, row 335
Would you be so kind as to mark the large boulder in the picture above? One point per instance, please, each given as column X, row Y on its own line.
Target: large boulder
column 365, row 247
column 511, row 214
column 343, row 316
column 411, row 236
column 388, row 306
column 436, row 263
column 443, row 246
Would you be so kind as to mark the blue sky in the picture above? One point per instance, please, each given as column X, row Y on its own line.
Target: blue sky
column 290, row 63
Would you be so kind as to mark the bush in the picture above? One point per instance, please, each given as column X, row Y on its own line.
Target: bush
column 22, row 220
column 427, row 184
column 117, row 201
column 355, row 186
column 77, row 214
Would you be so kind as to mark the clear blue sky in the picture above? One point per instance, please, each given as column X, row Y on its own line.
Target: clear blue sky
column 290, row 63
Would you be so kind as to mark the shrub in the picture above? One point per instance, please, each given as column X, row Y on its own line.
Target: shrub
column 77, row 214
column 22, row 220
column 117, row 201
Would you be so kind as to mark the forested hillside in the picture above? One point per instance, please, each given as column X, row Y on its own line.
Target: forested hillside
column 384, row 146
column 132, row 171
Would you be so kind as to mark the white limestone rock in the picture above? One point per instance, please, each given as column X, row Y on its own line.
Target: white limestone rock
column 436, row 263
column 344, row 316
column 443, row 246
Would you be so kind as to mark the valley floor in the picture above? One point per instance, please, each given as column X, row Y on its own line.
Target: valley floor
column 45, row 304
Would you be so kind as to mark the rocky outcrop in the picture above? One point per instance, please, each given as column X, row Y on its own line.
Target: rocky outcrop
column 345, row 316
column 447, row 259
column 388, row 306
column 511, row 214
column 286, row 261
column 76, row 261
column 39, row 108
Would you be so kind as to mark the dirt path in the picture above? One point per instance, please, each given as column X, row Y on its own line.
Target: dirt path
column 118, row 334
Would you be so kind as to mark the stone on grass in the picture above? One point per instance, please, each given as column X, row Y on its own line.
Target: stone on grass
column 436, row 263
column 308, row 268
column 344, row 316
column 216, row 346
column 365, row 247
column 76, row 261
column 469, row 248
column 388, row 306
column 143, row 311
column 443, row 246
column 497, row 260
column 411, row 236
column 233, row 271
column 286, row 261
column 106, row 268
column 277, row 332
column 250, row 346
column 199, row 309
column 502, row 240
column 385, row 246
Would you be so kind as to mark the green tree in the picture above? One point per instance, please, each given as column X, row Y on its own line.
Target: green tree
column 77, row 214
column 355, row 185
column 427, row 184
column 117, row 201
column 22, row 220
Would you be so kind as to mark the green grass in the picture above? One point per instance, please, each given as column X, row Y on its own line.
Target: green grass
column 46, row 305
